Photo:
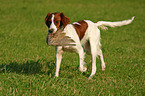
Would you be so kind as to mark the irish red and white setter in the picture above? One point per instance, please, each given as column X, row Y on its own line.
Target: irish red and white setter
column 86, row 35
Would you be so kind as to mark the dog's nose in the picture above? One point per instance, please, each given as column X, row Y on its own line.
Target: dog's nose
column 50, row 30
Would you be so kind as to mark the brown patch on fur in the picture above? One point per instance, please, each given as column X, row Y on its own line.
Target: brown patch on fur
column 57, row 20
column 65, row 20
column 81, row 28
column 47, row 16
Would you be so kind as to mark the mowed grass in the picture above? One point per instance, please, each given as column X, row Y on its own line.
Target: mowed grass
column 27, row 64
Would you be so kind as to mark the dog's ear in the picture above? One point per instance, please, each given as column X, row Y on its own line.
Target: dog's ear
column 46, row 19
column 47, row 16
column 64, row 19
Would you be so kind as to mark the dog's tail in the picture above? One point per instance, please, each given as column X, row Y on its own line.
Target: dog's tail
column 103, row 24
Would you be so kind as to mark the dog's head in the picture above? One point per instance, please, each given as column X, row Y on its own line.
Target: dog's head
column 55, row 21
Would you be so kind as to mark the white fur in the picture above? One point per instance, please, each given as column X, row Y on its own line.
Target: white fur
column 89, row 44
column 77, row 23
column 52, row 26
column 115, row 24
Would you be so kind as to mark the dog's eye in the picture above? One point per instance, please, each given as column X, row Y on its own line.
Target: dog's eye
column 56, row 22
column 49, row 22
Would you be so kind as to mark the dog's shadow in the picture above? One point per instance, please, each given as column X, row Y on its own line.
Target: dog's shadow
column 33, row 67
column 29, row 67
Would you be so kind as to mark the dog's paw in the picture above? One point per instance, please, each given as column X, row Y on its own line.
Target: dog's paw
column 103, row 69
column 90, row 77
column 56, row 75
column 84, row 69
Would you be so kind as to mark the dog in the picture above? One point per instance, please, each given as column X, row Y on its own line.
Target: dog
column 86, row 35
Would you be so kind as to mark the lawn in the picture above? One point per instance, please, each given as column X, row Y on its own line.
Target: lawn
column 27, row 64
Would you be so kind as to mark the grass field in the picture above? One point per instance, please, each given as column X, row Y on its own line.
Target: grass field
column 27, row 64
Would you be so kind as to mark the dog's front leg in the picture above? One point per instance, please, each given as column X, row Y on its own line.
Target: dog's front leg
column 59, row 53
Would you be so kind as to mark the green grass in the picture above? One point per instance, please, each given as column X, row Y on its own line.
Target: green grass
column 27, row 64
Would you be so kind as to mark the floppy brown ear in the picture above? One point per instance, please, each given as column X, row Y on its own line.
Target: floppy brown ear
column 65, row 19
column 47, row 16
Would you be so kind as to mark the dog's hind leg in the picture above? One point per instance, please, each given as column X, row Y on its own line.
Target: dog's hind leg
column 102, row 61
column 101, row 57
column 94, row 54
column 58, row 59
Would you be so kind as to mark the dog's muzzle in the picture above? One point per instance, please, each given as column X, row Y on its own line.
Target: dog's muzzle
column 50, row 30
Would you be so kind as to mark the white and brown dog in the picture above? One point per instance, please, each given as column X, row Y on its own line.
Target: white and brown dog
column 86, row 35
